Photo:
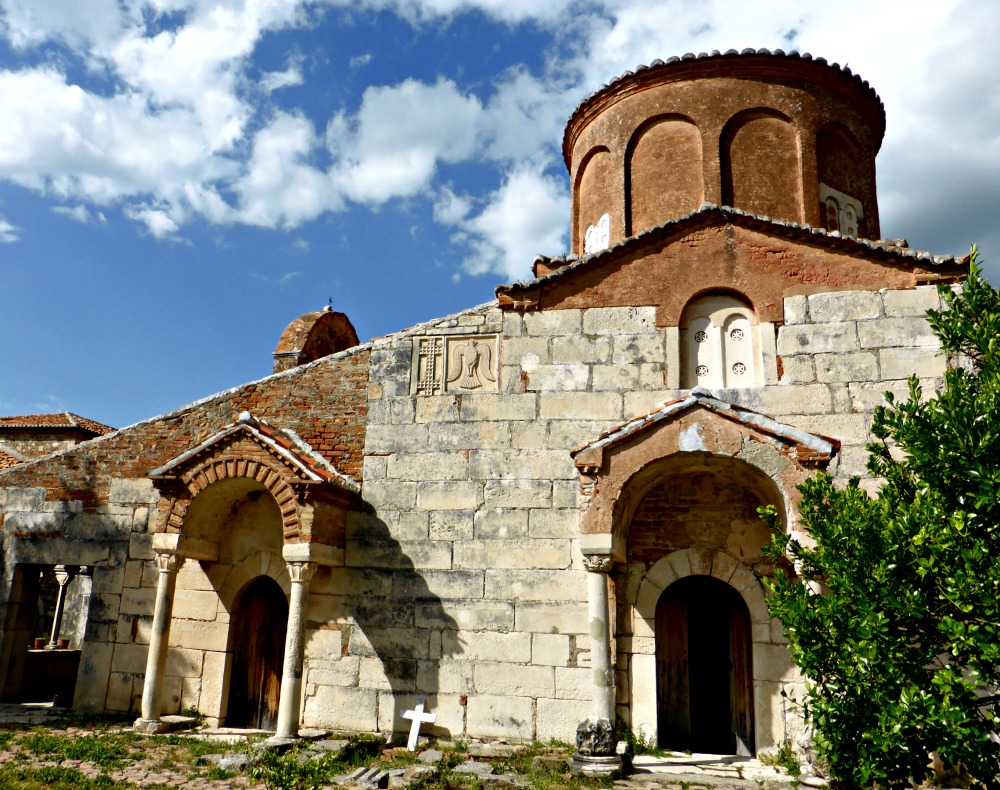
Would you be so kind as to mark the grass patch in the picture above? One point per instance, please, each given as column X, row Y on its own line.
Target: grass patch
column 783, row 758
column 108, row 751
column 54, row 777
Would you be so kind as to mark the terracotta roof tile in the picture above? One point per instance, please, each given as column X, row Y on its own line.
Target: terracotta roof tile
column 8, row 461
column 643, row 71
column 62, row 419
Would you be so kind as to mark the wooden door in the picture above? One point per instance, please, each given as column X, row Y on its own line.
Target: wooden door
column 673, row 703
column 258, row 629
column 704, row 670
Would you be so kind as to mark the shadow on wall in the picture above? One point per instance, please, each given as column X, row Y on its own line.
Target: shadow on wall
column 396, row 640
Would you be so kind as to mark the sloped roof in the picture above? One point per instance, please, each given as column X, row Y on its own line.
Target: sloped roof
column 888, row 251
column 62, row 419
column 284, row 443
column 807, row 446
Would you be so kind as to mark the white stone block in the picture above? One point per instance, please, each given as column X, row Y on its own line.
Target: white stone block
column 551, row 618
column 427, row 466
column 848, row 428
column 333, row 671
column 567, row 350
column 566, row 493
column 619, row 320
column 446, row 676
column 554, row 523
column 514, row 648
column 451, row 525
column 449, row 495
column 580, row 406
column 518, row 493
column 574, row 683
column 185, row 663
column 913, row 302
column 139, row 601
column 501, row 523
column 514, row 679
column 501, row 717
column 520, row 465
column 815, row 339
column 896, row 332
column 194, row 604
column 436, row 409
column 438, row 584
column 447, row 708
column 635, row 349
column 790, row 399
column 772, row 662
column 551, row 650
column 512, row 554
column 325, row 643
column 616, row 378
column 558, row 378
column 339, row 708
column 798, row 369
column 199, row 635
column 844, row 306
column 858, row 366
column 528, row 584
column 465, row 615
column 530, row 351
column 900, row 363
column 404, row 554
column 492, row 406
column 391, row 495
column 796, row 310
column 553, row 322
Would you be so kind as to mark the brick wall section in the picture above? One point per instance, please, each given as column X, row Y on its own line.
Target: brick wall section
column 325, row 403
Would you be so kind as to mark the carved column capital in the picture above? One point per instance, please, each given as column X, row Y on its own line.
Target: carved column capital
column 301, row 572
column 62, row 575
column 166, row 563
column 598, row 563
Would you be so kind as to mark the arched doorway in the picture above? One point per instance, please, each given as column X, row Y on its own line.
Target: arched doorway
column 258, row 630
column 704, row 681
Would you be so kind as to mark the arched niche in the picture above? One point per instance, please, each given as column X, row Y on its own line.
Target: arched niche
column 664, row 177
column 844, row 181
column 761, row 164
column 594, row 195
column 720, row 343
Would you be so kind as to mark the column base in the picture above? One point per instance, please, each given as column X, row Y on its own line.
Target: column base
column 592, row 765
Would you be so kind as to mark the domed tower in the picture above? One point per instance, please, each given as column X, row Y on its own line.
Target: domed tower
column 780, row 135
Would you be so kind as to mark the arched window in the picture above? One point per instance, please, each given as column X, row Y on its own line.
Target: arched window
column 720, row 343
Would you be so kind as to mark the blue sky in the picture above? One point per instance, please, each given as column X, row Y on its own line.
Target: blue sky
column 179, row 179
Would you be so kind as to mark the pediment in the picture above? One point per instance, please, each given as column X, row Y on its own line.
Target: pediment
column 718, row 247
column 700, row 422
column 280, row 449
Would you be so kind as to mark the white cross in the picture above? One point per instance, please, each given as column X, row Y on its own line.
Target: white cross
column 418, row 717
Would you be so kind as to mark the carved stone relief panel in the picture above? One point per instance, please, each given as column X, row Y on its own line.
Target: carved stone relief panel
column 465, row 363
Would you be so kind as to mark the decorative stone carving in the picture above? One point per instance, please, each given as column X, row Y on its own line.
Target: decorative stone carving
column 595, row 738
column 597, row 563
column 428, row 364
column 598, row 237
column 166, row 563
column 466, row 363
column 301, row 572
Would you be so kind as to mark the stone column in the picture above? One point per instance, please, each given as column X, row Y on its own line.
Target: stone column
column 156, row 659
column 595, row 738
column 291, row 671
column 63, row 577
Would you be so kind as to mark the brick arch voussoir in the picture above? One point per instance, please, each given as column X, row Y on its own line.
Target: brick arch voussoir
column 699, row 562
column 229, row 467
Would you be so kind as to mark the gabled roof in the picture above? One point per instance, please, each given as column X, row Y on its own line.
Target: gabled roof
column 887, row 251
column 283, row 443
column 804, row 446
column 63, row 419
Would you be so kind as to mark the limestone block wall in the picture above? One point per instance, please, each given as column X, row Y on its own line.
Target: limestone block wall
column 465, row 581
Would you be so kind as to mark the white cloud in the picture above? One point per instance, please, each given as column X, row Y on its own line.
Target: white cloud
column 524, row 217
column 8, row 233
column 81, row 214
column 276, row 80
column 393, row 146
column 156, row 219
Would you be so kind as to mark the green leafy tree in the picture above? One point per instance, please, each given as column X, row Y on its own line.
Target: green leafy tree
column 900, row 647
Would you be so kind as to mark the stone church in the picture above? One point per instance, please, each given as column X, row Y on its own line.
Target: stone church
column 532, row 512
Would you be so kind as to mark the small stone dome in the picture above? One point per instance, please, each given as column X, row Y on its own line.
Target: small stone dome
column 784, row 136
column 313, row 335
